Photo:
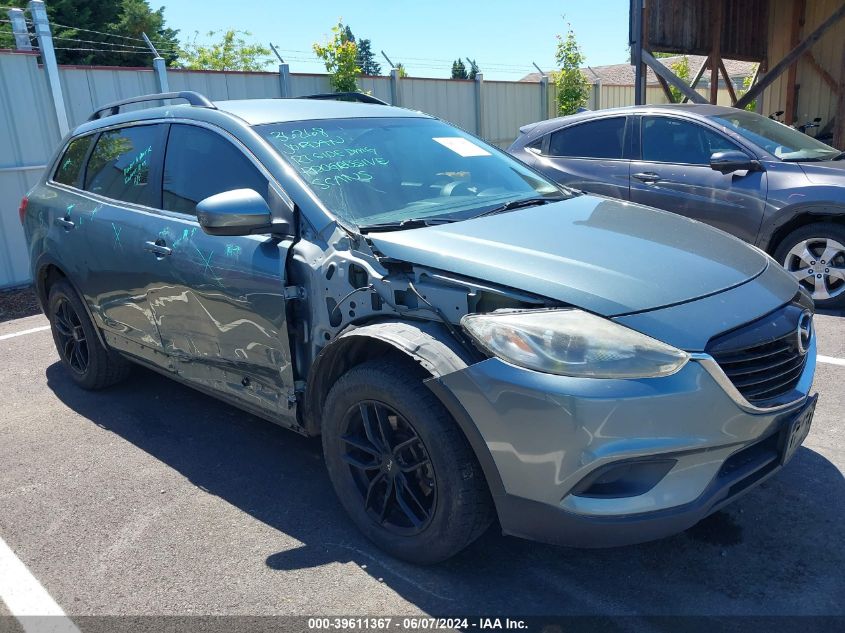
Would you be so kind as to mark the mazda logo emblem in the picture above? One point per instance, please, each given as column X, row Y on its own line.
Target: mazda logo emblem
column 804, row 331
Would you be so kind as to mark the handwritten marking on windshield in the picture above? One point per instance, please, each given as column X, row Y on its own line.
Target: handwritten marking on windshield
column 332, row 155
column 343, row 165
column 340, row 179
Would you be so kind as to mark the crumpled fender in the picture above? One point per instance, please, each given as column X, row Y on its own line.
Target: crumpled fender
column 426, row 342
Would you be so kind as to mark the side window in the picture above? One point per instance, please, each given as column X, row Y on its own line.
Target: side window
column 119, row 166
column 595, row 139
column 669, row 140
column 200, row 163
column 70, row 166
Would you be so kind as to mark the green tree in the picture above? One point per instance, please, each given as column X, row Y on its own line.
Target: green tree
column 473, row 70
column 681, row 69
column 573, row 89
column 746, row 85
column 230, row 52
column 114, row 21
column 366, row 59
column 340, row 56
column 459, row 71
column 401, row 68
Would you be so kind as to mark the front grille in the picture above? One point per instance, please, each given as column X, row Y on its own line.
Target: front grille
column 763, row 359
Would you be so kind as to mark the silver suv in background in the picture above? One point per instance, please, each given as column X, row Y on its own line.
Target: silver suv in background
column 470, row 340
column 753, row 177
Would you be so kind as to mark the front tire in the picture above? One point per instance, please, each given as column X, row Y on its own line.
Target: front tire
column 90, row 365
column 400, row 466
column 815, row 255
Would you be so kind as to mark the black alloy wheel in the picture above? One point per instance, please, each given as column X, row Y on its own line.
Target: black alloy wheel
column 400, row 464
column 90, row 364
column 73, row 343
column 390, row 466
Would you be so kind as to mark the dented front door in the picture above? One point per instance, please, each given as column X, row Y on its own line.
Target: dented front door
column 220, row 312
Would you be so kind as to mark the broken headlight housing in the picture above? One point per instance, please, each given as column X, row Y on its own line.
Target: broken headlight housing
column 571, row 342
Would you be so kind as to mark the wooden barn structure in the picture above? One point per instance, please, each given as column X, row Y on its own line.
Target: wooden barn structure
column 799, row 45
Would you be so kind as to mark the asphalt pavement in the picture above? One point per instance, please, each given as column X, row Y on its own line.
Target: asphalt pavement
column 150, row 498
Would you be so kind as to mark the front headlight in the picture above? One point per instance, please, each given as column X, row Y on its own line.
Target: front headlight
column 572, row 343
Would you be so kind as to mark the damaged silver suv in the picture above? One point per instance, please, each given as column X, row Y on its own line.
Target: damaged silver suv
column 473, row 342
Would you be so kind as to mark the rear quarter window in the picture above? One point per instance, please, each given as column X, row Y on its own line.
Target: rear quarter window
column 69, row 170
column 119, row 166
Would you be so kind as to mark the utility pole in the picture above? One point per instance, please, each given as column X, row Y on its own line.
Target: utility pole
column 159, row 66
column 284, row 74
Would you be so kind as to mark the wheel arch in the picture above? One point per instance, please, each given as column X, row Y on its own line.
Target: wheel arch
column 47, row 273
column 427, row 344
column 791, row 218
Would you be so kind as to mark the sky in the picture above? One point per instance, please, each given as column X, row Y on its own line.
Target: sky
column 503, row 36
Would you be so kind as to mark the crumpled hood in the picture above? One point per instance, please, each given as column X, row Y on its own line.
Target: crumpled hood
column 829, row 172
column 606, row 256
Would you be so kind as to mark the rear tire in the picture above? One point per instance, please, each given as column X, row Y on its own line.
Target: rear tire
column 424, row 514
column 815, row 255
column 89, row 363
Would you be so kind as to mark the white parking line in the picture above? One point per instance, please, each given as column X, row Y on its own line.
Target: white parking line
column 25, row 597
column 3, row 337
column 830, row 360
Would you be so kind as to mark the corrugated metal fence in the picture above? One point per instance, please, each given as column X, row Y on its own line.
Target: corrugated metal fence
column 29, row 133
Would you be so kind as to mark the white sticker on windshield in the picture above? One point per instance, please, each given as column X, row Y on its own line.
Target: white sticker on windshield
column 461, row 146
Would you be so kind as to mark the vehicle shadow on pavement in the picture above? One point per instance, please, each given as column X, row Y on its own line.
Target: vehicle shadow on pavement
column 778, row 550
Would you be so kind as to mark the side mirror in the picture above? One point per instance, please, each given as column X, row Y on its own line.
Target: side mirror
column 235, row 212
column 733, row 160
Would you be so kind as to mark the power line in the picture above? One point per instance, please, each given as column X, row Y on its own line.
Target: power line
column 101, row 50
column 124, row 46
column 115, row 35
column 442, row 67
column 74, row 39
column 435, row 63
column 486, row 64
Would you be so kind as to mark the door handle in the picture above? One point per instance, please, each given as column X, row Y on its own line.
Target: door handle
column 646, row 176
column 65, row 223
column 158, row 248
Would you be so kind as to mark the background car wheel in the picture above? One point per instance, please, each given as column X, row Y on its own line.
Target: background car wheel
column 815, row 255
column 91, row 365
column 401, row 466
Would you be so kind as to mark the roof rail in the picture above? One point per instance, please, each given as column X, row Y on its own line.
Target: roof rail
column 194, row 98
column 346, row 96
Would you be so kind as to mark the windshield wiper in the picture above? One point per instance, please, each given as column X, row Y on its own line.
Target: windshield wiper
column 519, row 204
column 839, row 156
column 410, row 223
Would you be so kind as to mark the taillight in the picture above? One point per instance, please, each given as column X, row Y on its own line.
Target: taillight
column 22, row 208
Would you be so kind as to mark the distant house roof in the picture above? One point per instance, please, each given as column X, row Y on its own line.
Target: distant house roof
column 623, row 74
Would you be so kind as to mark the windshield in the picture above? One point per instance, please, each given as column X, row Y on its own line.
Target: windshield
column 389, row 170
column 776, row 138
